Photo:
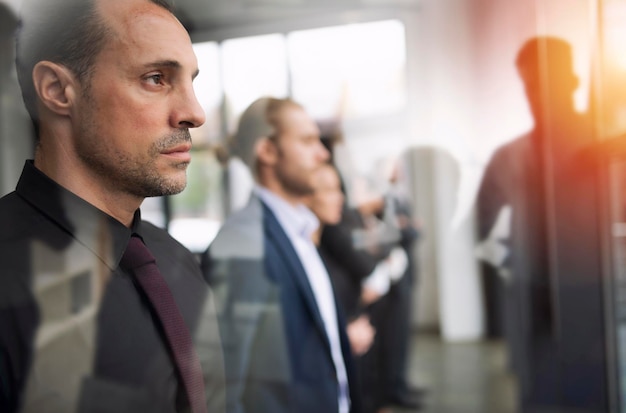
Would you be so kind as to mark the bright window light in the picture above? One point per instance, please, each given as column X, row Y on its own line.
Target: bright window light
column 349, row 71
column 208, row 90
column 253, row 67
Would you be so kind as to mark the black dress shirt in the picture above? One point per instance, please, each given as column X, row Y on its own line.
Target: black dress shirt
column 76, row 333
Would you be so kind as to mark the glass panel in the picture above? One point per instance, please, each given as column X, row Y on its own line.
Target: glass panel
column 253, row 67
column 208, row 89
column 198, row 210
column 193, row 216
column 618, row 220
column 611, row 95
column 350, row 71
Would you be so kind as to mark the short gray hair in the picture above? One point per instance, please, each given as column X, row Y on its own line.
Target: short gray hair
column 67, row 32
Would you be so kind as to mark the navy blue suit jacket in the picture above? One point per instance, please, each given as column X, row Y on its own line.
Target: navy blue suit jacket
column 277, row 354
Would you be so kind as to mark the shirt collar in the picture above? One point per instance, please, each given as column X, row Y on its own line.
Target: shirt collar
column 296, row 220
column 86, row 223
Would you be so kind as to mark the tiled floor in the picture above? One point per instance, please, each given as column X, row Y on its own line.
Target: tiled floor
column 462, row 377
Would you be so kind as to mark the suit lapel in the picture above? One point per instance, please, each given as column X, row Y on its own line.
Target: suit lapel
column 298, row 273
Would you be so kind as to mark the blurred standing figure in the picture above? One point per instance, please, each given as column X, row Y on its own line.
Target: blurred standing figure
column 536, row 205
column 327, row 202
column 395, row 334
column 363, row 254
column 88, row 321
column 285, row 346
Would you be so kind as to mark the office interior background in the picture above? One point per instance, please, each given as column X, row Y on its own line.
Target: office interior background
column 434, row 82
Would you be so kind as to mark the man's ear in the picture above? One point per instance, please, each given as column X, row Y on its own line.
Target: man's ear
column 265, row 151
column 55, row 86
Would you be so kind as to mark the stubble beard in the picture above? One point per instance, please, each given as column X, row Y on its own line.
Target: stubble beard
column 295, row 184
column 134, row 174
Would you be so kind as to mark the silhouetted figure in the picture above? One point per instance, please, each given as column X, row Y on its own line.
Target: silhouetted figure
column 536, row 209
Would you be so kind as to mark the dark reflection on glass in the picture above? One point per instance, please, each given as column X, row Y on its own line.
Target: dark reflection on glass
column 538, row 206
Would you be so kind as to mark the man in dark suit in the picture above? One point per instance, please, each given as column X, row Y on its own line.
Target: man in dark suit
column 99, row 310
column 284, row 340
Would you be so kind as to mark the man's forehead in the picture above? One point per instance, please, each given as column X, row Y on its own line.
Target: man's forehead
column 144, row 27
column 298, row 118
column 126, row 15
column 295, row 115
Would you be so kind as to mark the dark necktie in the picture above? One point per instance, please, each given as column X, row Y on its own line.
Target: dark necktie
column 138, row 258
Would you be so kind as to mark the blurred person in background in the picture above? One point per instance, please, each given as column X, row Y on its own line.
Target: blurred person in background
column 326, row 203
column 397, row 316
column 534, row 207
column 389, row 293
column 285, row 345
column 367, row 251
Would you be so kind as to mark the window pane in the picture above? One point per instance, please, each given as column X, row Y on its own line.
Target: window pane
column 350, row 71
column 253, row 67
column 209, row 93
column 198, row 210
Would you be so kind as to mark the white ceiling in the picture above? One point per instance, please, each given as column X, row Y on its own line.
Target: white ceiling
column 207, row 15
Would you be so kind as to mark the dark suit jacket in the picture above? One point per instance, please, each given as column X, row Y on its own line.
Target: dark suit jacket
column 76, row 334
column 347, row 264
column 277, row 354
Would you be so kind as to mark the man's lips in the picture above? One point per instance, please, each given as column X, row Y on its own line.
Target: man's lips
column 180, row 151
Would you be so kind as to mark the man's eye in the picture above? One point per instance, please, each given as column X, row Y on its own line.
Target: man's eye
column 155, row 79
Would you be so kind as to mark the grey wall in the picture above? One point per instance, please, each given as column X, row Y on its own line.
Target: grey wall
column 15, row 128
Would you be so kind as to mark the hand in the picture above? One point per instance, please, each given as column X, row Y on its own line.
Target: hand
column 361, row 335
column 369, row 296
column 372, row 207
